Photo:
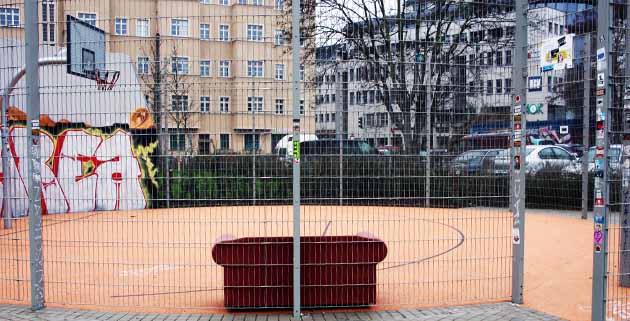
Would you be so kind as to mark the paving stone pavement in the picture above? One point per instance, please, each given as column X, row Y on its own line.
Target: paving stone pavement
column 484, row 312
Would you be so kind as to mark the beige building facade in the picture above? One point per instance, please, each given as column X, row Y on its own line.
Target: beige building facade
column 226, row 69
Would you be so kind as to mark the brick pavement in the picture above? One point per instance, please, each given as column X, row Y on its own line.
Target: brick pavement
column 484, row 312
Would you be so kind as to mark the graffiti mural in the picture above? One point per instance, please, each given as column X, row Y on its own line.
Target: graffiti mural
column 85, row 169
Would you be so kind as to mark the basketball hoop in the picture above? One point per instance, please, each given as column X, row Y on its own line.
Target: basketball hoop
column 106, row 79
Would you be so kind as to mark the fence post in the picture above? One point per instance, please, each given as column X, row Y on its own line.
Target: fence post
column 295, row 51
column 519, row 76
column 624, row 237
column 34, row 165
column 601, row 197
column 586, row 120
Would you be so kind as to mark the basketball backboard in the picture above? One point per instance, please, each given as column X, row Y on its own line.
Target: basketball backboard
column 86, row 48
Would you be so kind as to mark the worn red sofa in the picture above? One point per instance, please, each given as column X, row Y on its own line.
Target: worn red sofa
column 335, row 270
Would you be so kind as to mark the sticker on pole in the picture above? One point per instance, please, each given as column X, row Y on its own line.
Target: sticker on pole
column 598, row 235
column 601, row 80
column 516, row 236
column 601, row 59
column 296, row 152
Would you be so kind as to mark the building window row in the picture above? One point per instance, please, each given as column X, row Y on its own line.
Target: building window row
column 279, row 4
column 325, row 118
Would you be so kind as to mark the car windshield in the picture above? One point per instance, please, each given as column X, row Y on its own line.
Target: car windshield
column 613, row 153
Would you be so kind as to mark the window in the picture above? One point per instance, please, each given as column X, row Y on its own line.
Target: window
column 489, row 90
column 121, row 26
column 508, row 57
column 242, row 1
column 204, row 68
column 178, row 142
column 204, row 144
column 9, row 17
column 301, row 106
column 88, row 17
column 204, row 104
column 278, row 37
column 279, row 105
column 351, row 99
column 179, row 65
column 255, row 103
column 549, row 84
column 179, row 27
column 225, row 141
column 498, row 58
column 258, row 2
column 332, row 117
column 204, row 31
column 327, row 118
column 351, row 74
column 143, row 65
column 48, row 21
column 371, row 97
column 279, row 72
column 224, row 33
column 254, row 32
column 547, row 153
column 489, row 58
column 224, row 2
column 204, row 1
column 252, row 142
column 255, row 68
column 556, row 29
column 550, row 29
column 302, row 72
column 508, row 85
column 499, row 86
column 179, row 103
column 224, row 68
column 142, row 27
column 224, row 104
column 279, row 4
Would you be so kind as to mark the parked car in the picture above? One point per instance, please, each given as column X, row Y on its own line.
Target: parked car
column 614, row 158
column 332, row 146
column 576, row 150
column 472, row 162
column 539, row 157
column 388, row 149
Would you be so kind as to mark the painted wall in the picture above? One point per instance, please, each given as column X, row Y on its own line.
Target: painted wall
column 83, row 170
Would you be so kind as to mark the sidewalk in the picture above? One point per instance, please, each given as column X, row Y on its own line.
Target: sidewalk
column 485, row 312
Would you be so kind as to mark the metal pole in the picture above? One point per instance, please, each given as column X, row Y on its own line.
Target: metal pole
column 339, row 116
column 31, row 32
column 624, row 237
column 600, row 234
column 427, row 169
column 295, row 48
column 6, row 156
column 519, row 80
column 586, row 120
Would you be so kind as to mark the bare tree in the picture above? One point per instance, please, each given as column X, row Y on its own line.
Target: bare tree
column 414, row 53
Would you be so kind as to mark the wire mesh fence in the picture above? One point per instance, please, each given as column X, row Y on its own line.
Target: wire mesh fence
column 173, row 188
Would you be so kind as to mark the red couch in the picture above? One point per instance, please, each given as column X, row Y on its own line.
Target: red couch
column 335, row 270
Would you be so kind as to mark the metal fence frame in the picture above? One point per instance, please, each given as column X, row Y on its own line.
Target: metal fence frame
column 34, row 178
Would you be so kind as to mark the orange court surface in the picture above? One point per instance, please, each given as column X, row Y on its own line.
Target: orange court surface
column 160, row 260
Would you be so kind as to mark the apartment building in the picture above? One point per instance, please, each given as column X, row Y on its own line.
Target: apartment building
column 225, row 65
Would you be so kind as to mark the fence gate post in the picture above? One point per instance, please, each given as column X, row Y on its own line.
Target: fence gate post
column 34, row 165
column 624, row 234
column 519, row 75
column 295, row 48
column 601, row 197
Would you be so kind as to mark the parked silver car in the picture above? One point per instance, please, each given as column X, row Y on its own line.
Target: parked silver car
column 539, row 157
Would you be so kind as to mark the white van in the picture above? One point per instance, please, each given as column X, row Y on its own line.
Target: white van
column 284, row 147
